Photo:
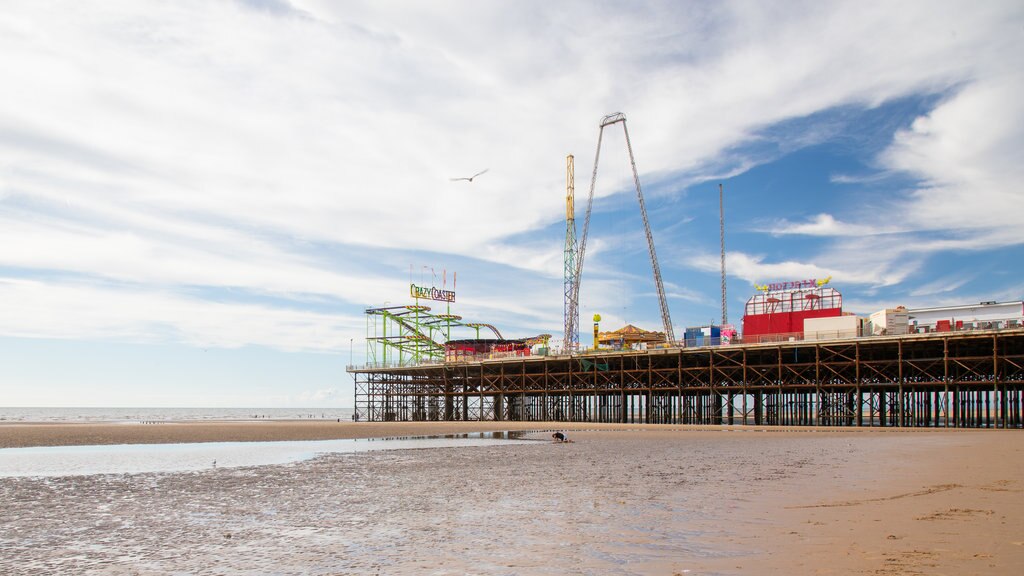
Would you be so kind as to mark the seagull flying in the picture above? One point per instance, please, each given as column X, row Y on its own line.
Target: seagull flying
column 470, row 179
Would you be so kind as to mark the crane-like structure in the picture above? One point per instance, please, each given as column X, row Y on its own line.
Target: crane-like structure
column 666, row 319
column 571, row 312
column 721, row 236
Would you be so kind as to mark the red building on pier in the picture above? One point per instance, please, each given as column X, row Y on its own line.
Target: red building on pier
column 779, row 309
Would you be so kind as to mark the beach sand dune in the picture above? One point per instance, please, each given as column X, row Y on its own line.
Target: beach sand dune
column 652, row 501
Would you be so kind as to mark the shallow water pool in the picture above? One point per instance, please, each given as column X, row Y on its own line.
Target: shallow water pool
column 141, row 458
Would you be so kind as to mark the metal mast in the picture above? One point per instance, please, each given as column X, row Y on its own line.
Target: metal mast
column 572, row 317
column 721, row 222
column 582, row 248
column 663, row 303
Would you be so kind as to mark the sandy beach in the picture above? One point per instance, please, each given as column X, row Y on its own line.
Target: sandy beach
column 618, row 500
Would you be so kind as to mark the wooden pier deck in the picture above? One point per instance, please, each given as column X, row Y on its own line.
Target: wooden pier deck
column 954, row 379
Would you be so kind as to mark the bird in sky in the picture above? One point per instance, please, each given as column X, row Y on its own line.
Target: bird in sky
column 470, row 179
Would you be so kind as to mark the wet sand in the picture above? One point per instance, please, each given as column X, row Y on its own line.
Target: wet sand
column 166, row 432
column 934, row 502
column 654, row 501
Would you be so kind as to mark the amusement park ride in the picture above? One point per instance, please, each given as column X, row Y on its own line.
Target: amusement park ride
column 572, row 286
column 797, row 362
column 412, row 334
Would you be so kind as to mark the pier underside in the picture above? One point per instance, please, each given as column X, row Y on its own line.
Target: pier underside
column 969, row 380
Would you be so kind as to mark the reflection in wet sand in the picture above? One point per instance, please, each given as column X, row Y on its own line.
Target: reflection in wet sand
column 140, row 458
column 622, row 503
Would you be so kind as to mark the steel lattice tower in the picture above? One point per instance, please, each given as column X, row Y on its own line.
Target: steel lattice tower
column 572, row 317
column 721, row 224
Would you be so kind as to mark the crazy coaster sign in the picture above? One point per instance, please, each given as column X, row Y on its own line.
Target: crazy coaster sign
column 431, row 293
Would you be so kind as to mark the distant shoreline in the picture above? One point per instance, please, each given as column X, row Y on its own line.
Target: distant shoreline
column 108, row 414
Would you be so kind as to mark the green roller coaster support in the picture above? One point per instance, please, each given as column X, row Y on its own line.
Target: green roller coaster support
column 408, row 335
column 411, row 334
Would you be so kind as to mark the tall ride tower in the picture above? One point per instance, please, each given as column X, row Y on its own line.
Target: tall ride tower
column 721, row 232
column 572, row 317
column 666, row 320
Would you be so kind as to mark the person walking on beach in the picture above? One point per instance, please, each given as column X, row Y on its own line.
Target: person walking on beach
column 560, row 437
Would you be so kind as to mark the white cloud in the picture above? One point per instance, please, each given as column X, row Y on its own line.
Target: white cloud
column 87, row 311
column 169, row 147
column 315, row 397
column 858, row 179
column 944, row 285
column 754, row 269
column 847, row 266
column 966, row 152
column 674, row 292
column 820, row 225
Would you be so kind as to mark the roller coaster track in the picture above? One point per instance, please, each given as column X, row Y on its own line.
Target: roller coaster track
column 478, row 326
column 418, row 328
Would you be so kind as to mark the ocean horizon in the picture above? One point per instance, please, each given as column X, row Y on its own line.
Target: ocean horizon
column 170, row 414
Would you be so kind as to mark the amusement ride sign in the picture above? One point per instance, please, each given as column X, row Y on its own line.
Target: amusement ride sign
column 431, row 293
column 792, row 285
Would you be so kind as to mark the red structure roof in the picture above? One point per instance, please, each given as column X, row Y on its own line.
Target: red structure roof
column 476, row 349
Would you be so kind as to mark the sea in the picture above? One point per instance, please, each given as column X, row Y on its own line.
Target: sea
column 120, row 414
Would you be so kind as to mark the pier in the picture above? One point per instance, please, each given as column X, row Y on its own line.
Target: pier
column 957, row 380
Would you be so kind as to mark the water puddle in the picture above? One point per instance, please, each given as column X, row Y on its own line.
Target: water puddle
column 141, row 458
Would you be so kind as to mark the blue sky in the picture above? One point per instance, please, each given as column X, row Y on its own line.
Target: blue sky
column 199, row 199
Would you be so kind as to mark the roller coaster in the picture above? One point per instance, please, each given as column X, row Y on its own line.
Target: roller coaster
column 409, row 335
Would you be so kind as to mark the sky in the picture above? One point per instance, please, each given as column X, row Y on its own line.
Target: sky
column 199, row 199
